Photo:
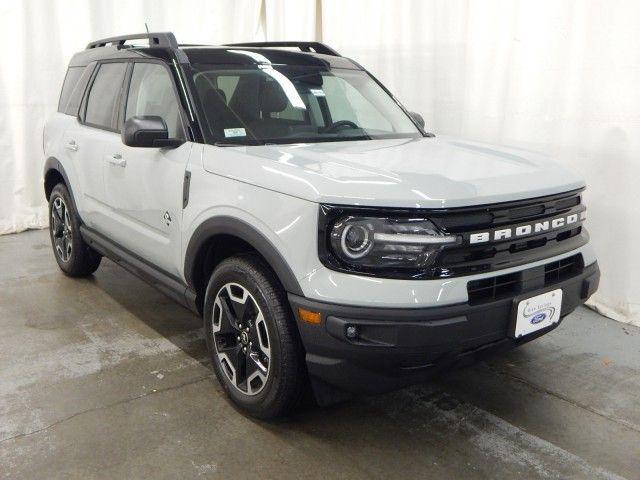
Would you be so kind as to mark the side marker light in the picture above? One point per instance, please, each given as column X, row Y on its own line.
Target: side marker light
column 309, row 316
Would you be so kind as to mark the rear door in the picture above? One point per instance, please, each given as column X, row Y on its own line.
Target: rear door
column 144, row 186
column 87, row 140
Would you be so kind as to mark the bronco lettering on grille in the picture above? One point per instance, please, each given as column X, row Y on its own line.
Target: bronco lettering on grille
column 526, row 229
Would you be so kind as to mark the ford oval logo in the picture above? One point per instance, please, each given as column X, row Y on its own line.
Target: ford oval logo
column 539, row 317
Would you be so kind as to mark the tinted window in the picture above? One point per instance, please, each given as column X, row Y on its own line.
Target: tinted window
column 151, row 93
column 102, row 104
column 75, row 97
column 70, row 82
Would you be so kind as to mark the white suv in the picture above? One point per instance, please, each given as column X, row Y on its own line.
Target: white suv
column 279, row 190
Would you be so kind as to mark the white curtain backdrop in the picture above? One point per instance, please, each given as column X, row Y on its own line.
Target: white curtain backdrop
column 560, row 77
column 39, row 38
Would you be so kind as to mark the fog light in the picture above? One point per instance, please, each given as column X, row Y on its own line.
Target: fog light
column 352, row 332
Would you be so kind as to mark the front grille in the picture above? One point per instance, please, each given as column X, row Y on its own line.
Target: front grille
column 469, row 259
column 493, row 288
column 562, row 269
column 462, row 219
column 511, row 284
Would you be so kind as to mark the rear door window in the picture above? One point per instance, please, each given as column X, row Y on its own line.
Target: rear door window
column 104, row 96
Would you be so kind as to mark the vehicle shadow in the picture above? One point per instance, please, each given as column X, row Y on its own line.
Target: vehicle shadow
column 169, row 319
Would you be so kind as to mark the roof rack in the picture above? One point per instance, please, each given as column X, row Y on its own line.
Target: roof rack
column 316, row 47
column 160, row 39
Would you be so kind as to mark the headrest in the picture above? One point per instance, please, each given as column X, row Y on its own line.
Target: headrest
column 273, row 98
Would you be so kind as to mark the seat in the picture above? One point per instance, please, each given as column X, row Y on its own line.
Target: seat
column 272, row 100
column 219, row 115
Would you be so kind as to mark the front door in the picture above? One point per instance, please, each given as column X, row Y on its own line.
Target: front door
column 144, row 186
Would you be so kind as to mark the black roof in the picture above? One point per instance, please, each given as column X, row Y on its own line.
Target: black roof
column 165, row 47
column 260, row 55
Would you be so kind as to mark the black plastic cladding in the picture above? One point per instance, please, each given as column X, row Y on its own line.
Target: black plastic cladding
column 463, row 259
column 516, row 283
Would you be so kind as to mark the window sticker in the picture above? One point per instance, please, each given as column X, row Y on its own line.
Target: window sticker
column 234, row 132
column 317, row 92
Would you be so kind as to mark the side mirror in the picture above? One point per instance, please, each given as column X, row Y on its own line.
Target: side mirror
column 418, row 119
column 148, row 131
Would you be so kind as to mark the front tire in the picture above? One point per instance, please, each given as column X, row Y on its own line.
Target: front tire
column 252, row 338
column 75, row 258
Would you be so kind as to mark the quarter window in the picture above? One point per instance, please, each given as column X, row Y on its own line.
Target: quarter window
column 70, row 82
column 103, row 101
column 151, row 93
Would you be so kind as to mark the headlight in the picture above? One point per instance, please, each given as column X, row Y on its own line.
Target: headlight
column 371, row 243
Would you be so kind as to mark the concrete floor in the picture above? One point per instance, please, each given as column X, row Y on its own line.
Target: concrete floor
column 107, row 378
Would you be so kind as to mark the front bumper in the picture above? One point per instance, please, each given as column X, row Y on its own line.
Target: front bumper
column 398, row 347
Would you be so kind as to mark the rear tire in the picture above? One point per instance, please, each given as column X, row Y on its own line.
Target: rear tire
column 252, row 338
column 75, row 258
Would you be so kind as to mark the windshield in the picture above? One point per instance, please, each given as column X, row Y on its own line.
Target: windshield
column 292, row 104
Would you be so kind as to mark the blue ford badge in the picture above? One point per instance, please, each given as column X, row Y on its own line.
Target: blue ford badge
column 538, row 318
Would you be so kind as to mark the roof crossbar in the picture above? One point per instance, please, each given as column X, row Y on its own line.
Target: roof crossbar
column 316, row 47
column 160, row 39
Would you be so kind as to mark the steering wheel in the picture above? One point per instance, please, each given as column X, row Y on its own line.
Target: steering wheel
column 340, row 124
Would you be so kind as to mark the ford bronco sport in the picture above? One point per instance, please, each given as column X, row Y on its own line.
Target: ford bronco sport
column 281, row 191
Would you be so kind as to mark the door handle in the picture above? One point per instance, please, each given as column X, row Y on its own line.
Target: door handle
column 117, row 160
column 72, row 145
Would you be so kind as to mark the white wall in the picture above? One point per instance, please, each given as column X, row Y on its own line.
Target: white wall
column 556, row 76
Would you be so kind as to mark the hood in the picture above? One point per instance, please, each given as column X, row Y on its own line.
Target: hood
column 433, row 172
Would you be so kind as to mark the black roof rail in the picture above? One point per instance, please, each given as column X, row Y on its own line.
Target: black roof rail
column 316, row 47
column 160, row 39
